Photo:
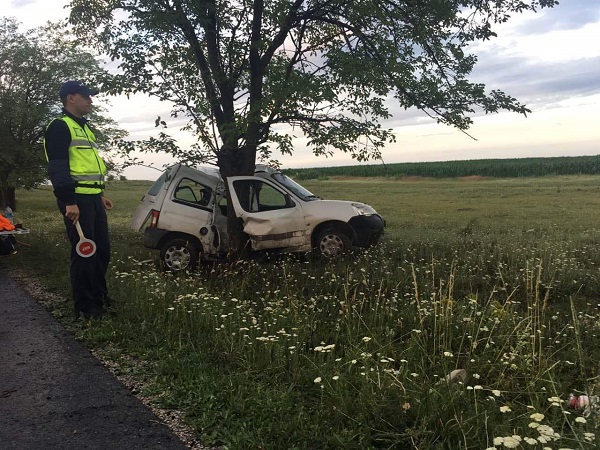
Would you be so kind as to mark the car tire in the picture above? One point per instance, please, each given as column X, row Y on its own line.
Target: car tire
column 332, row 243
column 179, row 255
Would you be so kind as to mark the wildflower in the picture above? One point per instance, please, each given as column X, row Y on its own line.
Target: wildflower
column 580, row 420
column 496, row 392
column 538, row 417
column 505, row 409
column 324, row 348
column 531, row 441
column 512, row 441
column 534, row 425
column 366, row 339
column 317, row 380
column 478, row 387
column 589, row 436
column 449, row 354
column 335, row 377
column 547, row 434
column 555, row 401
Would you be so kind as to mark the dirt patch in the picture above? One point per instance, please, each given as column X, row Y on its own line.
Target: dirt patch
column 346, row 178
column 414, row 178
column 472, row 178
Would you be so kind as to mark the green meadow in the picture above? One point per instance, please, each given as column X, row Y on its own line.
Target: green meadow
column 468, row 327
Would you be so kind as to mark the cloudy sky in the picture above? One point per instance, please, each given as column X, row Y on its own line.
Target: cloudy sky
column 550, row 61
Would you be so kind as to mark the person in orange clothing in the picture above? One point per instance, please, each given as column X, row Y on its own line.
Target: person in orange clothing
column 5, row 224
column 7, row 243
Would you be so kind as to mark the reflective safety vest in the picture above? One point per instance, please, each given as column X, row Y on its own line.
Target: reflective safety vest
column 86, row 165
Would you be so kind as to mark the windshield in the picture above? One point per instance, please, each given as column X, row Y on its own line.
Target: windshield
column 295, row 188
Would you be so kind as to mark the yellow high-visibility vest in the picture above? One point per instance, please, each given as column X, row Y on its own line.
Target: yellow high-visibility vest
column 87, row 167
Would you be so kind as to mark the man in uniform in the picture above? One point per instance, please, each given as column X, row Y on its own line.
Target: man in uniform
column 77, row 173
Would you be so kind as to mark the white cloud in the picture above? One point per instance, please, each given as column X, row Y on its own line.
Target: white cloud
column 33, row 13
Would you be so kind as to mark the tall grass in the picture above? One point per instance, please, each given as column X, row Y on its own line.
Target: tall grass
column 293, row 352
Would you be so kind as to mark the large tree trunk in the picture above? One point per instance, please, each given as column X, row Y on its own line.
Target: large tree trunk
column 236, row 162
column 8, row 198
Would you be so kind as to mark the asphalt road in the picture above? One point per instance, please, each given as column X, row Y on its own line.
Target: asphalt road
column 55, row 395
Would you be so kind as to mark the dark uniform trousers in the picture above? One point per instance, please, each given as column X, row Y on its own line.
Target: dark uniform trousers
column 88, row 275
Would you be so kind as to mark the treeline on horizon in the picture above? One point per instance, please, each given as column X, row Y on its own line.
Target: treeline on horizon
column 497, row 168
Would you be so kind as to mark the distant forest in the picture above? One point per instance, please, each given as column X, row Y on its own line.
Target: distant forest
column 499, row 168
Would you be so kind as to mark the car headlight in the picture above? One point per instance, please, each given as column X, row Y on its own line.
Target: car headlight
column 363, row 210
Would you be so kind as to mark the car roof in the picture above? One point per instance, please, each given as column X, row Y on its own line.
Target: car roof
column 212, row 171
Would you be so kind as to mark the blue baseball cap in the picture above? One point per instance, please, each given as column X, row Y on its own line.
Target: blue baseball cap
column 75, row 87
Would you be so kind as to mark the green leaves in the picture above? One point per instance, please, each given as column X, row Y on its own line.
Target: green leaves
column 330, row 68
column 35, row 64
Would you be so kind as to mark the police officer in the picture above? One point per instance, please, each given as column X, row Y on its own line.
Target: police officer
column 77, row 173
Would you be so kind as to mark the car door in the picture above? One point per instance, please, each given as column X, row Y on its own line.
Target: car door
column 271, row 217
column 187, row 207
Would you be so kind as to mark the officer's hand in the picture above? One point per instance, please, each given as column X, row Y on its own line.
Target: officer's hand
column 107, row 203
column 72, row 213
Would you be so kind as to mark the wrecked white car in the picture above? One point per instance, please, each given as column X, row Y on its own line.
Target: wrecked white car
column 184, row 214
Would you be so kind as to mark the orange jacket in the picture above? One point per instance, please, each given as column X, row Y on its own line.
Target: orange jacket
column 5, row 224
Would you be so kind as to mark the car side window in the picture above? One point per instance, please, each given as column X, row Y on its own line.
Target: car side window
column 257, row 196
column 223, row 205
column 192, row 192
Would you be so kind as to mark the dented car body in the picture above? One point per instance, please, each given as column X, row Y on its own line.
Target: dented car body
column 184, row 216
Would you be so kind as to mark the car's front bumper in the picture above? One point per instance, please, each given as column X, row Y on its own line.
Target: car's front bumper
column 368, row 229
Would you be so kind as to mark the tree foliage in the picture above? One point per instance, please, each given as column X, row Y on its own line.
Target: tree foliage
column 35, row 64
column 250, row 74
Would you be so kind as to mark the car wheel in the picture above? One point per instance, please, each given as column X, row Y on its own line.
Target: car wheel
column 179, row 254
column 332, row 243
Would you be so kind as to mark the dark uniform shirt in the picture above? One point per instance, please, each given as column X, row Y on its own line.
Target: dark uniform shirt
column 58, row 140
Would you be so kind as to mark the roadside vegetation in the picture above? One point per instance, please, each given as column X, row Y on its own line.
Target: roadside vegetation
column 495, row 281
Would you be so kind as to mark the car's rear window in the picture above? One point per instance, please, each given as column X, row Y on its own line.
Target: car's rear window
column 155, row 189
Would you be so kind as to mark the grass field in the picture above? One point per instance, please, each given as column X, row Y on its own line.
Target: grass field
column 497, row 280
